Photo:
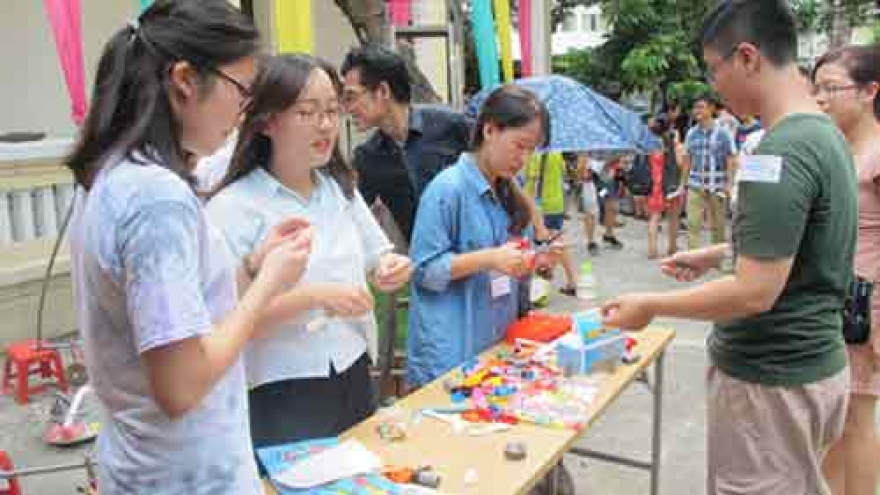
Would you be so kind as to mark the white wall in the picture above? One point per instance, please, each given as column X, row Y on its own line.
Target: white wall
column 32, row 91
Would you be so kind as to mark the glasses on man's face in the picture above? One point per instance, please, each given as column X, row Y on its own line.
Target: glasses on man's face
column 244, row 91
column 831, row 90
column 314, row 115
column 350, row 96
column 712, row 70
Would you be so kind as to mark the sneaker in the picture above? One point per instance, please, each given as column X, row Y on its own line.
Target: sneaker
column 593, row 248
column 612, row 241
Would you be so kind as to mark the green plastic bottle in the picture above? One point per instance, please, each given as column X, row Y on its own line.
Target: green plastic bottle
column 586, row 284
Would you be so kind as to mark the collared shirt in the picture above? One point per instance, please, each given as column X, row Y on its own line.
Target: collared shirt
column 347, row 244
column 451, row 321
column 709, row 150
column 149, row 271
column 398, row 174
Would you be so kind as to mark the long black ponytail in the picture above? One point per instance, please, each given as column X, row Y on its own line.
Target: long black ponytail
column 131, row 110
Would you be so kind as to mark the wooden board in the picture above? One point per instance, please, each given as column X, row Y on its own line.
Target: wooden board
column 432, row 442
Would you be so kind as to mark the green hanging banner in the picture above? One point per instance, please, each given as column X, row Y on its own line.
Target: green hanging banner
column 145, row 4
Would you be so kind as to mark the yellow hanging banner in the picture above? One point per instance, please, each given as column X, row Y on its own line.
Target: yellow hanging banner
column 293, row 26
column 502, row 21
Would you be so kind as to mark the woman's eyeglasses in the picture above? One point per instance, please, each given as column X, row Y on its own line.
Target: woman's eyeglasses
column 833, row 89
column 244, row 91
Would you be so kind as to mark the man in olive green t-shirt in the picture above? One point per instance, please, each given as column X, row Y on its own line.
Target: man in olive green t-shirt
column 777, row 383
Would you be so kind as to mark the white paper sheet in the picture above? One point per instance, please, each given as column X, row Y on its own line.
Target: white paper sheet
column 349, row 458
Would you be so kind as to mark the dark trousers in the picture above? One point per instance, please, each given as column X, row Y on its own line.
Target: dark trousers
column 308, row 408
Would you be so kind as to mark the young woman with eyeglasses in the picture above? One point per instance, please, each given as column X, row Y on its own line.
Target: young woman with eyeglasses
column 155, row 287
column 846, row 84
column 309, row 377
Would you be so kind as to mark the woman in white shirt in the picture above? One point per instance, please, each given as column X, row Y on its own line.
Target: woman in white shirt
column 310, row 380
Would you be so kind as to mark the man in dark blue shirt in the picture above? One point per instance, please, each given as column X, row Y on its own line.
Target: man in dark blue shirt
column 411, row 143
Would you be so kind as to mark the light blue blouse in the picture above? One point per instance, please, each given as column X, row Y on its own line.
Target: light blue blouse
column 451, row 321
column 347, row 245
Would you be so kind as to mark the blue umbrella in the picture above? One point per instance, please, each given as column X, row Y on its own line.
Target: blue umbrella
column 582, row 119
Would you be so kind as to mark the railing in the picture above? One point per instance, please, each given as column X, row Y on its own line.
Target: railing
column 35, row 192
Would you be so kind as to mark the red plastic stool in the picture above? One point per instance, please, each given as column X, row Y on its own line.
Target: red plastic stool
column 24, row 359
column 11, row 484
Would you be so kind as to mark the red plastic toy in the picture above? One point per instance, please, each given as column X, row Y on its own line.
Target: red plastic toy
column 539, row 327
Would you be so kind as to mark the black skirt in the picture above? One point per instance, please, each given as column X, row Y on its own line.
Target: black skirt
column 303, row 409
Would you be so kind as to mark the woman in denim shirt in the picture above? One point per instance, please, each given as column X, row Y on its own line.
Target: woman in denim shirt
column 465, row 288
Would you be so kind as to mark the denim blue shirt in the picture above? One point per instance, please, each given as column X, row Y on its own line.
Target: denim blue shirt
column 451, row 321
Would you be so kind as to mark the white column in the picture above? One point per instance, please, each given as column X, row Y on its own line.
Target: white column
column 541, row 38
column 63, row 197
column 46, row 219
column 5, row 219
column 23, row 216
column 431, row 52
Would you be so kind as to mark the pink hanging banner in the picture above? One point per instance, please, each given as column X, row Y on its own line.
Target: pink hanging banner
column 525, row 37
column 65, row 19
column 401, row 12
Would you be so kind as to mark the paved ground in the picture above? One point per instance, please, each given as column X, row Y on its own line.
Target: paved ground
column 625, row 428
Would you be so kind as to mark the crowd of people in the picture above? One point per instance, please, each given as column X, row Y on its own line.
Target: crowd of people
column 227, row 311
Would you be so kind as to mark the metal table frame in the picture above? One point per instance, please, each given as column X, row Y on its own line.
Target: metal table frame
column 653, row 467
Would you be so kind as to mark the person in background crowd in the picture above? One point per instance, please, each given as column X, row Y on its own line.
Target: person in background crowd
column 544, row 178
column 589, row 201
column 309, row 377
column 610, row 175
column 749, row 126
column 847, row 83
column 638, row 181
column 664, row 188
column 678, row 119
column 725, row 119
column 464, row 289
column 709, row 168
column 778, row 380
column 156, row 289
column 411, row 143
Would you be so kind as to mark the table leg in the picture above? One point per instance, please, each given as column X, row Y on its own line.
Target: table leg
column 656, row 437
column 386, row 353
column 554, row 478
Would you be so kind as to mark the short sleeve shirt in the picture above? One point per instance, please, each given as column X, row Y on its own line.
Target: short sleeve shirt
column 709, row 150
column 347, row 244
column 809, row 215
column 149, row 271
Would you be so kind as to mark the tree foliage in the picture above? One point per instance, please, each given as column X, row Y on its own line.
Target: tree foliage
column 651, row 44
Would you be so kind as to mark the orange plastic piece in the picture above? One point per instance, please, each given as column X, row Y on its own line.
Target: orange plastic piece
column 399, row 474
column 540, row 327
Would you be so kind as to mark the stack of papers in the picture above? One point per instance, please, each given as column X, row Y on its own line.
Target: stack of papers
column 324, row 467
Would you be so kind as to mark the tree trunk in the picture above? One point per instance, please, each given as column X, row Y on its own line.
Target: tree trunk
column 370, row 24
